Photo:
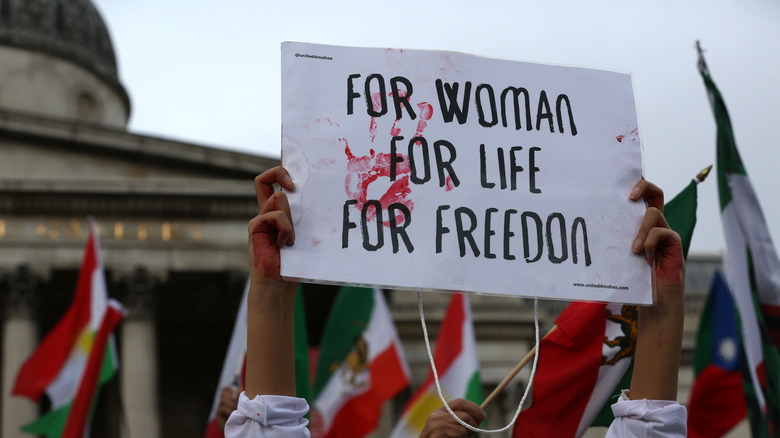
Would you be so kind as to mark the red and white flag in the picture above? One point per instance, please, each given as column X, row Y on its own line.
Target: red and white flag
column 581, row 362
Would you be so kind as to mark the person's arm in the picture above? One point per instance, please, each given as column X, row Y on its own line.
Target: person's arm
column 649, row 409
column 268, row 407
column 270, row 354
column 660, row 327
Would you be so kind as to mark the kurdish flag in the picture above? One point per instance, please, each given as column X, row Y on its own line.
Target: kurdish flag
column 587, row 359
column 361, row 365
column 458, row 367
column 753, row 271
column 717, row 402
column 76, row 356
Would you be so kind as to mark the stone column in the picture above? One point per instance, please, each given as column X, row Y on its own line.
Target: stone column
column 138, row 363
column 19, row 341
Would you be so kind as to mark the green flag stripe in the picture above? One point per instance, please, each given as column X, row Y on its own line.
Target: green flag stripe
column 52, row 423
column 49, row 424
column 348, row 319
column 729, row 161
column 474, row 389
column 680, row 213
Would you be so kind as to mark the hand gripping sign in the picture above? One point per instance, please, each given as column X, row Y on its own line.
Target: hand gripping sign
column 441, row 170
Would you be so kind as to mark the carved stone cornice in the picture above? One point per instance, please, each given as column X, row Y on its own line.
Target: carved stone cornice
column 203, row 161
column 167, row 206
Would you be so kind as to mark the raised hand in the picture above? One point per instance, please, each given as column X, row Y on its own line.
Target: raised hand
column 440, row 423
column 272, row 228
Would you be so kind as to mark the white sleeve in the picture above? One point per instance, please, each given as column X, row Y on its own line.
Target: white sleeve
column 268, row 416
column 648, row 419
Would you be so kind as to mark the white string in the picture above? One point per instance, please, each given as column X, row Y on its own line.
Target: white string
column 436, row 374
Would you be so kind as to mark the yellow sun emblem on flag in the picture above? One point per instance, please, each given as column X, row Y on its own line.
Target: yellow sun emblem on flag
column 84, row 342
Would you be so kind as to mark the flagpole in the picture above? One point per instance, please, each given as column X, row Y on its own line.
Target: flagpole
column 513, row 373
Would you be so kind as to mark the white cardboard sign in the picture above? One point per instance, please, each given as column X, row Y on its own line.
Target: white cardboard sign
column 441, row 170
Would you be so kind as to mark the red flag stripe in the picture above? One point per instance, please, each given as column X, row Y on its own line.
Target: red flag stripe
column 79, row 411
column 717, row 403
column 212, row 430
column 569, row 362
column 449, row 343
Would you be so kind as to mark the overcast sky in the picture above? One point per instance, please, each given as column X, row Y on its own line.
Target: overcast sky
column 208, row 72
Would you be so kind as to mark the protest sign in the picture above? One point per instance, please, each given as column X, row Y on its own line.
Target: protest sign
column 441, row 170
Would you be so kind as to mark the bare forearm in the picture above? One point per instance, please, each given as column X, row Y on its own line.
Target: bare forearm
column 270, row 338
column 659, row 341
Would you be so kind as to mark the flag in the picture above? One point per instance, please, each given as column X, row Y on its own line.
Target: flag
column 234, row 364
column 76, row 356
column 457, row 365
column 361, row 365
column 587, row 358
column 574, row 377
column 753, row 271
column 717, row 403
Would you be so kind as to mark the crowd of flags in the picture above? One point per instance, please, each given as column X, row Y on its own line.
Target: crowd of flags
column 584, row 361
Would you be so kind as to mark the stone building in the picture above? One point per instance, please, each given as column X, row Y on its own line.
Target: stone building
column 172, row 220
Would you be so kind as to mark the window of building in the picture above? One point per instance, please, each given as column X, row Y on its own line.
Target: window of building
column 86, row 108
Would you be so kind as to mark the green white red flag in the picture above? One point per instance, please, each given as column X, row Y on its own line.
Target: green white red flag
column 457, row 364
column 753, row 271
column 361, row 365
column 76, row 356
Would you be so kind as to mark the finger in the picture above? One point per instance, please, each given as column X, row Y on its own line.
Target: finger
column 651, row 193
column 279, row 202
column 470, row 408
column 225, row 410
column 653, row 218
column 656, row 238
column 264, row 183
column 228, row 392
column 468, row 419
column 274, row 221
column 441, row 424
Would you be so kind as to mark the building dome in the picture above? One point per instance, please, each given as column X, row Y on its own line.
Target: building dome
column 71, row 30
